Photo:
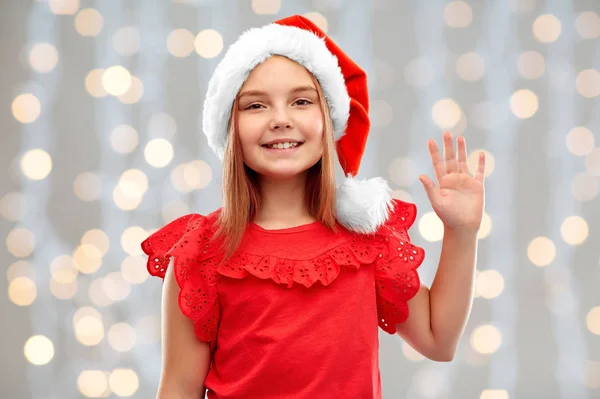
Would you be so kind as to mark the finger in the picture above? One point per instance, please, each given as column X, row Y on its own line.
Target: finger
column 430, row 188
column 439, row 168
column 461, row 143
column 449, row 155
column 480, row 173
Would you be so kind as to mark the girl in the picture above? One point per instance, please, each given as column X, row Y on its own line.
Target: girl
column 278, row 294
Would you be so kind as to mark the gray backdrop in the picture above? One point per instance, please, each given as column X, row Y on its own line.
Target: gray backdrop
column 87, row 173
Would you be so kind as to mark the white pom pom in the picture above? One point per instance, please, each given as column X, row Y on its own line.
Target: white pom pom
column 363, row 205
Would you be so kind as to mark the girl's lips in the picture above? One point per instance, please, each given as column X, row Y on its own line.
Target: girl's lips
column 282, row 150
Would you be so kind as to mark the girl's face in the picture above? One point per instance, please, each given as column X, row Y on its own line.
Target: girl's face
column 279, row 103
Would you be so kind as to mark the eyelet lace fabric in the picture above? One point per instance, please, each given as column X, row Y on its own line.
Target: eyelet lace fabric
column 197, row 266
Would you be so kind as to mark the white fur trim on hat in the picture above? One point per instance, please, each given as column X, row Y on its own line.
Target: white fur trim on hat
column 363, row 205
column 254, row 47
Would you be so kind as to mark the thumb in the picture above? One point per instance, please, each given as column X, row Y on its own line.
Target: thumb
column 430, row 188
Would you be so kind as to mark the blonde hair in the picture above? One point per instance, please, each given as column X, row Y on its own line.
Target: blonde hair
column 241, row 191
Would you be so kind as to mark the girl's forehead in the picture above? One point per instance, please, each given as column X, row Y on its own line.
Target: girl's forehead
column 277, row 75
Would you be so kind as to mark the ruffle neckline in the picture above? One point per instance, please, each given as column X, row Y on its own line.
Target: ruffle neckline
column 198, row 265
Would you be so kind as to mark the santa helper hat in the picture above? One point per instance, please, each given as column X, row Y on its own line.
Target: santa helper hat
column 361, row 205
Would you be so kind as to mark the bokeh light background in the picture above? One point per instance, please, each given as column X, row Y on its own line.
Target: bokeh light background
column 100, row 108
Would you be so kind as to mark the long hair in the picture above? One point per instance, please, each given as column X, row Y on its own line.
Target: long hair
column 241, row 190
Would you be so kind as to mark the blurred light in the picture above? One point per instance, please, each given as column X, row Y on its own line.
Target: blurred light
column 489, row 284
column 593, row 320
column 521, row 5
column 419, row 72
column 584, row 187
column 588, row 83
column 485, row 228
column 97, row 238
column 493, row 394
column 89, row 329
column 197, row 174
column 131, row 240
column 125, row 202
column 402, row 171
column 43, row 57
column 411, row 354
column 64, row 7
column 531, row 64
column 63, row 291
column 162, row 125
column 458, row 14
column 126, row 41
column 431, row 227
column 580, row 141
column 588, row 25
column 36, row 164
column 124, row 139
column 486, row 339
column 541, row 251
column 473, row 162
column 546, row 28
column 574, row 230
column 116, row 80
column 22, row 291
column 87, row 186
column 135, row 92
column 524, row 103
column 20, row 268
column 89, row 22
column 88, row 258
column 174, row 209
column 97, row 294
column 13, row 207
column 446, row 113
column 39, row 350
column 63, row 269
column 180, row 43
column 26, row 108
column 133, row 183
column 470, row 67
column 266, row 7
column 592, row 374
column 116, row 287
column 92, row 383
column 319, row 20
column 124, row 382
column 208, row 43
column 93, row 83
column 381, row 113
column 178, row 179
column 592, row 162
column 20, row 242
column 121, row 337
column 134, row 269
column 158, row 153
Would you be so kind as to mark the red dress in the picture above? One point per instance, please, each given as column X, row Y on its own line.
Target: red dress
column 294, row 313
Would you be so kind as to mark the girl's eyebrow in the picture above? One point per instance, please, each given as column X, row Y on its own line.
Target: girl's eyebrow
column 262, row 93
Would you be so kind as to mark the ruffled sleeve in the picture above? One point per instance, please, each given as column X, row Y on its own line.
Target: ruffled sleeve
column 397, row 280
column 187, row 239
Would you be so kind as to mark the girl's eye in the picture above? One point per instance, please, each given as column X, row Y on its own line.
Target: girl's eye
column 254, row 106
column 305, row 102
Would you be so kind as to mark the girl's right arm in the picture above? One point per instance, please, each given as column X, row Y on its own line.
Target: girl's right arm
column 185, row 358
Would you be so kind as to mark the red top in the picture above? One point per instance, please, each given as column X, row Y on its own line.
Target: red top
column 295, row 312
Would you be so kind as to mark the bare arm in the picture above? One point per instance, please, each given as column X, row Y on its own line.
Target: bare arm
column 438, row 317
column 185, row 359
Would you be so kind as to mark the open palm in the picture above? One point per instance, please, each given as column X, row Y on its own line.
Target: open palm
column 458, row 198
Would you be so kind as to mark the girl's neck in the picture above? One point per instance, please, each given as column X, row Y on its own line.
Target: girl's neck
column 283, row 202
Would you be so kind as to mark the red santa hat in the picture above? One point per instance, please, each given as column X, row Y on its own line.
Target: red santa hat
column 361, row 205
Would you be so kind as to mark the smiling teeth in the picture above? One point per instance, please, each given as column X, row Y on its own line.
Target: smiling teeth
column 283, row 145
